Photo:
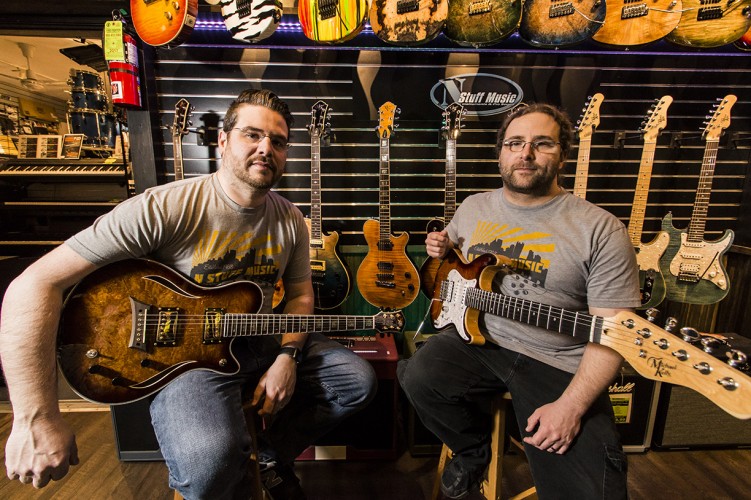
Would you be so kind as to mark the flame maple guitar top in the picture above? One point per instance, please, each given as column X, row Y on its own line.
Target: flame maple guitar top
column 637, row 23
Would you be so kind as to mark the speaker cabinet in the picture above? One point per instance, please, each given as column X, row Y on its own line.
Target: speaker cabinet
column 134, row 436
column 634, row 399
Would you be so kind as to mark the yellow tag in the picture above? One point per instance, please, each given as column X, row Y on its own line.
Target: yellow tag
column 112, row 41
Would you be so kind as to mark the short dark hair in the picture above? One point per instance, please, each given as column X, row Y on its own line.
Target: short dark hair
column 566, row 136
column 257, row 97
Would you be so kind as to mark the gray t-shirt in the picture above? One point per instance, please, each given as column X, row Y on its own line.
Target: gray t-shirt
column 567, row 253
column 193, row 227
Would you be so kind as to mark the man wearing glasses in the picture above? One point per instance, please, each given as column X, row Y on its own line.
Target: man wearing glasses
column 564, row 252
column 213, row 229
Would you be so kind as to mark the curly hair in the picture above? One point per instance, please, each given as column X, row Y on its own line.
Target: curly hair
column 566, row 135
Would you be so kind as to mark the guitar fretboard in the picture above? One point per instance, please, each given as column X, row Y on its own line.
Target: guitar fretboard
column 639, row 207
column 701, row 204
column 582, row 167
column 450, row 197
column 384, row 206
column 245, row 325
column 315, row 188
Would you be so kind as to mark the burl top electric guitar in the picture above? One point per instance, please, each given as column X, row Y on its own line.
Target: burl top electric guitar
column 408, row 22
column 386, row 278
column 130, row 328
column 331, row 278
column 464, row 291
column 586, row 127
column 651, row 281
column 557, row 23
column 162, row 23
column 694, row 270
column 711, row 23
column 332, row 21
column 477, row 23
column 179, row 129
column 629, row 22
column 452, row 124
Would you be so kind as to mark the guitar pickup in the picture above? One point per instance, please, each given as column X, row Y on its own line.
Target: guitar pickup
column 212, row 325
column 316, row 243
column 318, row 265
column 167, row 326
column 385, row 284
column 385, row 277
column 385, row 266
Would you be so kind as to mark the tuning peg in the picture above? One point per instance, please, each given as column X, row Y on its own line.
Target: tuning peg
column 652, row 314
column 690, row 335
column 737, row 359
column 670, row 324
column 710, row 344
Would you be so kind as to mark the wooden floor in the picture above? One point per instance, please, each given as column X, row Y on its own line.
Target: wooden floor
column 709, row 474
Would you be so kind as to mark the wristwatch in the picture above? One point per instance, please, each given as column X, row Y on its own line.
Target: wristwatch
column 292, row 352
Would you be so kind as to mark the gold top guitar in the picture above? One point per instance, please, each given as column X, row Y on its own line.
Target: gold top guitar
column 651, row 281
column 332, row 21
column 408, row 22
column 179, row 129
column 477, row 23
column 586, row 127
column 250, row 20
column 452, row 125
column 557, row 23
column 331, row 278
column 130, row 328
column 711, row 23
column 386, row 277
column 693, row 268
column 463, row 291
column 164, row 23
column 629, row 22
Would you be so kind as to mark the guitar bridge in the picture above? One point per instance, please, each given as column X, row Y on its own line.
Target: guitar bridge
column 632, row 11
column 327, row 9
column 405, row 6
column 479, row 7
column 561, row 9
column 318, row 265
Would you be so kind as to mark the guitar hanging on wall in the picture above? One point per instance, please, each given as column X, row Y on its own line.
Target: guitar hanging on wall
column 407, row 22
column 556, row 23
column 629, row 22
column 586, row 127
column 164, row 24
column 711, row 23
column 331, row 279
column 476, row 23
column 250, row 20
column 693, row 268
column 452, row 125
column 386, row 278
column 463, row 291
column 332, row 21
column 179, row 128
column 651, row 281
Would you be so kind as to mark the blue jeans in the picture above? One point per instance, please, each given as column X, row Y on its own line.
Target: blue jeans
column 450, row 385
column 200, row 426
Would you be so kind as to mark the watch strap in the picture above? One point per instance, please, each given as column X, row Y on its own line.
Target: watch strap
column 292, row 352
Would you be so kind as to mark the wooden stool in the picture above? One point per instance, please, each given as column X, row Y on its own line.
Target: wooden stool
column 491, row 485
column 257, row 490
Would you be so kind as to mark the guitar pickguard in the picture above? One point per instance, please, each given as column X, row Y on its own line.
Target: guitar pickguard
column 700, row 261
column 648, row 254
column 454, row 290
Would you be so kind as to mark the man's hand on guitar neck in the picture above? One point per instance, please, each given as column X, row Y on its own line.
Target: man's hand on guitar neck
column 438, row 244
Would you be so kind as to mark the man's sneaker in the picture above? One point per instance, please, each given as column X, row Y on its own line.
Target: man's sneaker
column 281, row 482
column 458, row 480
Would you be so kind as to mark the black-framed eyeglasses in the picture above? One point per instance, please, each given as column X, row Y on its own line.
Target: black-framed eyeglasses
column 542, row 146
column 254, row 136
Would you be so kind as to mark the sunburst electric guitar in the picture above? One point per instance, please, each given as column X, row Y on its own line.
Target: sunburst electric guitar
column 408, row 22
column 130, row 328
column 386, row 278
column 452, row 125
column 651, row 281
column 463, row 291
column 693, row 268
column 164, row 23
column 179, row 128
column 331, row 278
column 585, row 128
column 250, row 20
column 557, row 23
column 331, row 21
column 711, row 23
column 477, row 23
column 629, row 22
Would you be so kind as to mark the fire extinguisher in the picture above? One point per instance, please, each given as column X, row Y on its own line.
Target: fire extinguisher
column 121, row 53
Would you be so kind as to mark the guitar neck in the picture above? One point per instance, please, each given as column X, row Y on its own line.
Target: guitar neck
column 582, row 167
column 384, row 205
column 639, row 207
column 450, row 197
column 701, row 204
column 248, row 325
column 575, row 324
column 315, row 189
column 177, row 141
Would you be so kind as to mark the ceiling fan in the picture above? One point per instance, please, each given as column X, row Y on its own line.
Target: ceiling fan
column 28, row 78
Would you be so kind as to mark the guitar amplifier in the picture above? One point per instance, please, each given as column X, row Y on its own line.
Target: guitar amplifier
column 686, row 419
column 420, row 441
column 134, row 436
column 634, row 399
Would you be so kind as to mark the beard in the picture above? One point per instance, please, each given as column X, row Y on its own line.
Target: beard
column 244, row 173
column 539, row 183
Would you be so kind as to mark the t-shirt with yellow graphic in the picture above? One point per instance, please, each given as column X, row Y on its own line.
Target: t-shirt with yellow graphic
column 566, row 252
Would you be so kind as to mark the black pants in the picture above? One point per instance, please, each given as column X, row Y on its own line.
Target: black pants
column 450, row 384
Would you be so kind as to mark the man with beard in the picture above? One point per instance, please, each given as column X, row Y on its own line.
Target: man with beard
column 562, row 251
column 212, row 228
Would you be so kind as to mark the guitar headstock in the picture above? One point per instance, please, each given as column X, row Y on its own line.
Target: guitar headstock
column 656, row 119
column 320, row 123
column 182, row 121
column 387, row 115
column 590, row 118
column 720, row 119
column 389, row 321
column 452, row 120
column 662, row 356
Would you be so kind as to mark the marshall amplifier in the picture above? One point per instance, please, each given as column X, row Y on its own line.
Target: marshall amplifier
column 634, row 399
